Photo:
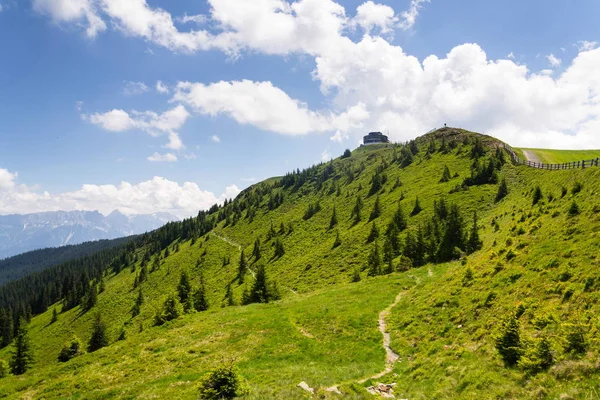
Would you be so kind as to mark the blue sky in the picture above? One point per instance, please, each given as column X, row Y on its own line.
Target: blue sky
column 250, row 90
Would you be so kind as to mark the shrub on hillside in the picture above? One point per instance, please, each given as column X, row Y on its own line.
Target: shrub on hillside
column 574, row 209
column 508, row 341
column 172, row 309
column 71, row 349
column 3, row 369
column 222, row 383
column 537, row 195
column 537, row 357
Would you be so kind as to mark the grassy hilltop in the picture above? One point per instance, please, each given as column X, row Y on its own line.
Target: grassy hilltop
column 537, row 267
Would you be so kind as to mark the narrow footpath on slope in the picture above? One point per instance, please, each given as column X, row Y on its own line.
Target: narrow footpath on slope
column 239, row 247
column 390, row 356
column 531, row 156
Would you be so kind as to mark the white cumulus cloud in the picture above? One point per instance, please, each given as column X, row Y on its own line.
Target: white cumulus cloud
column 135, row 88
column 215, row 139
column 167, row 157
column 370, row 15
column 553, row 60
column 82, row 13
column 409, row 17
column 161, row 87
column 155, row 195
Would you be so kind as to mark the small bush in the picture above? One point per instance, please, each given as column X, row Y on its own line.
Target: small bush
column 222, row 383
column 575, row 342
column 537, row 195
column 574, row 209
column 537, row 357
column 71, row 349
column 3, row 369
column 508, row 341
column 577, row 187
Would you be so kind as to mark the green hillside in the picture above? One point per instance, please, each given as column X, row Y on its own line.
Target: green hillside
column 537, row 263
column 548, row 156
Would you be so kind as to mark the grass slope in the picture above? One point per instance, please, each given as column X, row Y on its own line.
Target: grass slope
column 324, row 331
column 548, row 156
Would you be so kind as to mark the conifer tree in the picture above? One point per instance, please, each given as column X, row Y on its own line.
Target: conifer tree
column 3, row 369
column 155, row 264
column 230, row 301
column 259, row 292
column 445, row 175
column 279, row 249
column 333, row 222
column 356, row 275
column 508, row 341
column 200, row 299
column 256, row 250
column 102, row 286
column 172, row 309
column 373, row 234
column 242, row 268
column 92, row 297
column 399, row 220
column 281, row 228
column 376, row 212
column 453, row 235
column 355, row 216
column 374, row 261
column 502, row 190
column 388, row 251
column 54, row 316
column 6, row 329
column 537, row 195
column 417, row 208
column 99, row 336
column 184, row 289
column 137, row 306
column 22, row 356
column 337, row 242
column 474, row 242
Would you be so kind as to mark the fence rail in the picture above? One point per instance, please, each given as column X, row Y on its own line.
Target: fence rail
column 570, row 165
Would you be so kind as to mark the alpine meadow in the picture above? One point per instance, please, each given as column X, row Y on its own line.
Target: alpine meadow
column 439, row 266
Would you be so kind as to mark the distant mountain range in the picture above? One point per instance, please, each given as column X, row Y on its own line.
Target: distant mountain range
column 21, row 233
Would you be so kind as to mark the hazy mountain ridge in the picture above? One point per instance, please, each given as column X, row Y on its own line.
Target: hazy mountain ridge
column 22, row 233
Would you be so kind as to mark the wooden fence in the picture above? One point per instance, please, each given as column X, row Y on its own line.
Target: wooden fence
column 570, row 165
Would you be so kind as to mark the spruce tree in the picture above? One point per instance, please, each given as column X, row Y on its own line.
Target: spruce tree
column 508, row 341
column 137, row 306
column 259, row 292
column 172, row 309
column 230, row 301
column 445, row 175
column 54, row 316
column 356, row 275
column 399, row 220
column 537, row 195
column 99, row 337
column 184, row 289
column 374, row 261
column 200, row 299
column 376, row 212
column 22, row 356
column 6, row 329
column 256, row 250
column 355, row 216
column 453, row 235
column 279, row 249
column 502, row 190
column 242, row 268
column 474, row 243
column 337, row 242
column 373, row 234
column 417, row 208
column 92, row 297
column 333, row 222
column 155, row 264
